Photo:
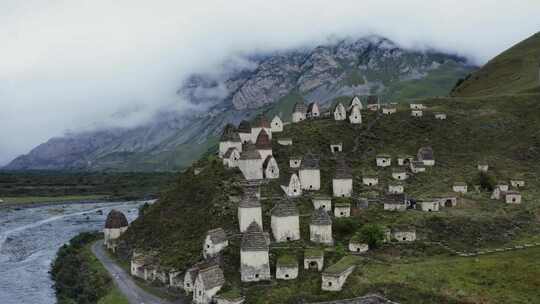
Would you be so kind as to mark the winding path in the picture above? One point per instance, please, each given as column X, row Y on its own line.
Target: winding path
column 124, row 281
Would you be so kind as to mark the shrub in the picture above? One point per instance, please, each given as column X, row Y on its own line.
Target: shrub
column 372, row 234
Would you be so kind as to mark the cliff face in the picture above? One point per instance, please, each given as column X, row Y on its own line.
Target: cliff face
column 366, row 66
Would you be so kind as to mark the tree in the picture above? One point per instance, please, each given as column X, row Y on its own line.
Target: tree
column 372, row 234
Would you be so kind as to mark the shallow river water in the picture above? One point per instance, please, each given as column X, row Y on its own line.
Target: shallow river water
column 30, row 238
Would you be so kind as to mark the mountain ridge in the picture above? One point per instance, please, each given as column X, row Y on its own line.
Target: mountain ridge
column 323, row 73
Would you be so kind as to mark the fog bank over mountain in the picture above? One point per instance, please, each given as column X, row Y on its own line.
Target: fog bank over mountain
column 89, row 65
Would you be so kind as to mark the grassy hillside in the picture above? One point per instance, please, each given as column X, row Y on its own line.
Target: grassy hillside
column 492, row 117
column 504, row 131
column 515, row 70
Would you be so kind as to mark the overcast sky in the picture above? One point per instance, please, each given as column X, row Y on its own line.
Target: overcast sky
column 73, row 64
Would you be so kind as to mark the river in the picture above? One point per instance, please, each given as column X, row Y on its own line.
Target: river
column 30, row 238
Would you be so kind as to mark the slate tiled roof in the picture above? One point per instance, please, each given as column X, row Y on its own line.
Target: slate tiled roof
column 425, row 153
column 300, row 107
column 254, row 239
column 320, row 217
column 283, row 209
column 343, row 171
column 229, row 134
column 310, row 161
column 211, row 277
column 217, row 235
column 261, row 122
column 263, row 141
column 244, row 127
column 250, row 152
column 116, row 219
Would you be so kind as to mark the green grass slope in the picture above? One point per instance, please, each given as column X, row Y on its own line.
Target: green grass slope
column 502, row 130
column 515, row 70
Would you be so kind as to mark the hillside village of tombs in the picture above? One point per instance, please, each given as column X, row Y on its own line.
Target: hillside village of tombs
column 248, row 148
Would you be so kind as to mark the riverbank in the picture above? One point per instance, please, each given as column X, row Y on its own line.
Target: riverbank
column 30, row 239
column 24, row 203
column 43, row 187
column 79, row 277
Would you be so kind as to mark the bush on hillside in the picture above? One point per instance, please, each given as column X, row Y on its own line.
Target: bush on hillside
column 372, row 234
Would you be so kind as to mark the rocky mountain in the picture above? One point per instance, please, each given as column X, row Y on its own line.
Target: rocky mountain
column 270, row 83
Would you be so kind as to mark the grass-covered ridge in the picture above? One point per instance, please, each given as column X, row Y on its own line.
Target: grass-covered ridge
column 515, row 70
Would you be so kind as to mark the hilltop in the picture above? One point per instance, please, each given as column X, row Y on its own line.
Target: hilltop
column 270, row 82
column 517, row 70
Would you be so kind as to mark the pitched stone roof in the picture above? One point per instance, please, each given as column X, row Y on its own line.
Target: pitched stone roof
column 254, row 239
column 261, row 122
column 399, row 170
column 320, row 217
column 395, row 198
column 425, row 153
column 250, row 152
column 285, row 180
column 337, row 105
column 116, row 219
column 300, row 107
column 341, row 266
column 352, row 99
column 249, row 200
column 244, row 127
column 310, row 161
column 311, row 106
column 229, row 152
column 212, row 276
column 283, row 209
column 313, row 253
column 287, row 261
column 217, row 235
column 418, row 164
column 403, row 228
column 229, row 134
column 263, row 141
column 343, row 171
column 267, row 161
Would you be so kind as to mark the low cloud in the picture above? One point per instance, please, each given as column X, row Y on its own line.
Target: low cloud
column 82, row 65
